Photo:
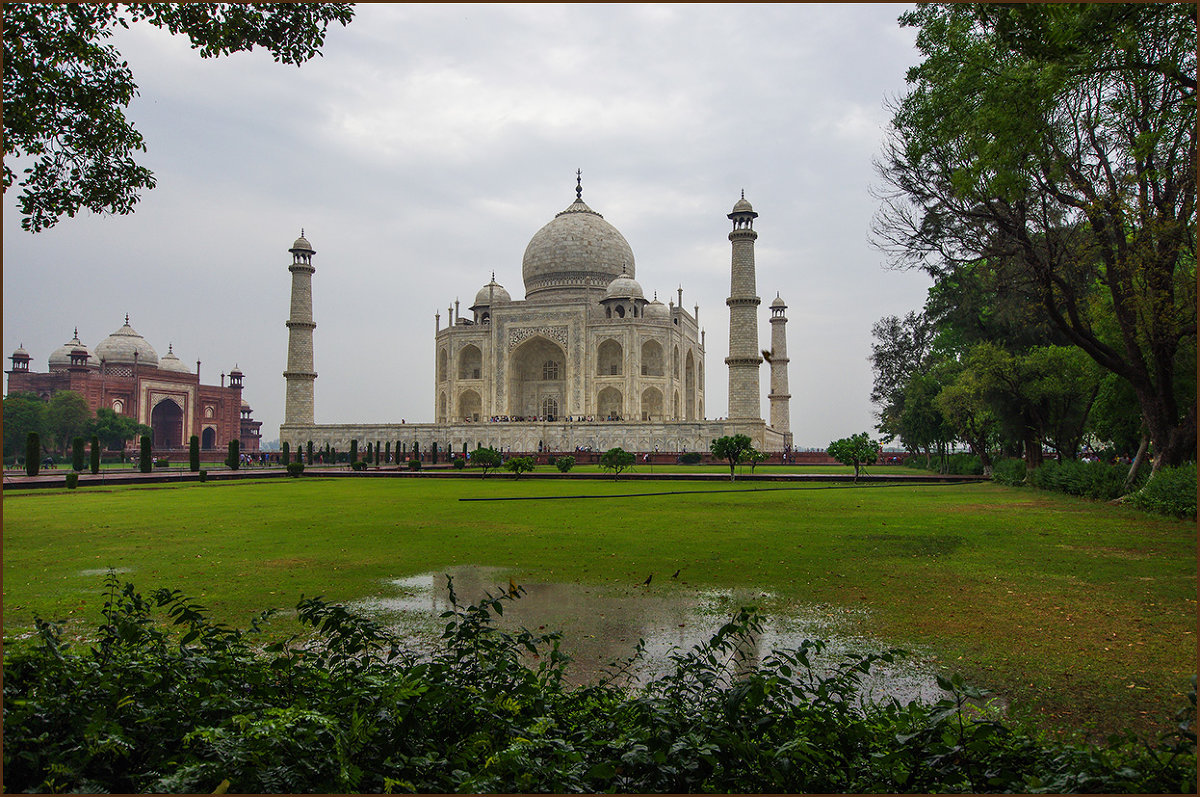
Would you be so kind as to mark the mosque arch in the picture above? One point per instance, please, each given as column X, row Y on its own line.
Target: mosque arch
column 470, row 362
column 166, row 424
column 652, row 404
column 689, row 387
column 610, row 404
column 610, row 358
column 652, row 358
column 470, row 405
column 441, row 364
column 208, row 438
column 537, row 370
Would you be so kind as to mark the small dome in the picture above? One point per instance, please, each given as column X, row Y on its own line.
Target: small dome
column 60, row 358
column 492, row 293
column 656, row 309
column 169, row 362
column 20, row 353
column 624, row 287
column 302, row 245
column 119, row 348
column 778, row 302
column 742, row 206
column 245, row 405
column 236, row 372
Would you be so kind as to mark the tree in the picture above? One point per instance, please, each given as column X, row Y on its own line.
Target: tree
column 485, row 458
column 1058, row 142
column 755, row 458
column 95, row 455
column 233, row 458
column 286, row 453
column 33, row 453
column 145, row 461
column 78, row 453
column 616, row 460
column 23, row 413
column 67, row 415
column 965, row 408
column 194, row 454
column 564, row 463
column 519, row 465
column 732, row 448
column 353, row 452
column 902, row 347
column 115, row 430
column 66, row 89
column 856, row 450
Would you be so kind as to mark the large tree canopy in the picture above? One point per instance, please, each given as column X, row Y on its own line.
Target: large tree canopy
column 66, row 90
column 1058, row 143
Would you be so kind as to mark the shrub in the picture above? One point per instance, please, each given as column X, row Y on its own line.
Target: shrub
column 1088, row 479
column 144, row 460
column 162, row 462
column 691, row 457
column 203, row 475
column 33, row 453
column 286, row 455
column 72, row 480
column 1172, row 491
column 519, row 465
column 460, row 463
column 78, row 454
column 310, row 452
column 295, row 468
column 564, row 463
column 194, row 454
column 346, row 708
column 353, row 451
column 1007, row 471
column 414, row 464
column 95, row 452
column 359, row 465
column 963, row 464
column 486, row 458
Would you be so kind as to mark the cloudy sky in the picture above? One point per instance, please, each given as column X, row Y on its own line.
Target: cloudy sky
column 430, row 143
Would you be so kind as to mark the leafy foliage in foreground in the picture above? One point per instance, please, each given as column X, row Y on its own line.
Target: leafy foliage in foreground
column 190, row 705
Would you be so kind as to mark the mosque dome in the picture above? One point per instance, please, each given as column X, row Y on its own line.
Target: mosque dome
column 20, row 353
column 577, row 249
column 742, row 206
column 656, row 309
column 778, row 302
column 624, row 287
column 169, row 362
column 302, row 244
column 119, row 348
column 492, row 293
column 60, row 358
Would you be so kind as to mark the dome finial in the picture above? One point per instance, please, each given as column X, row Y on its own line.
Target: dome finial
column 127, row 319
column 579, row 185
column 302, row 229
column 743, row 193
column 77, row 332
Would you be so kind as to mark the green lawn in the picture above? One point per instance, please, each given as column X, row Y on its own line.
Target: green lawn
column 1082, row 614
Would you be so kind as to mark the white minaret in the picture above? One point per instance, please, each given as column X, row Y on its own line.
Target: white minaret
column 744, row 355
column 780, row 399
column 300, row 376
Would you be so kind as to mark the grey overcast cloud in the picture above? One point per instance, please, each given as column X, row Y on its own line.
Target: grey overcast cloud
column 427, row 146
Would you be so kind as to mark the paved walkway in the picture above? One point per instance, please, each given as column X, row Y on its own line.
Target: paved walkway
column 57, row 477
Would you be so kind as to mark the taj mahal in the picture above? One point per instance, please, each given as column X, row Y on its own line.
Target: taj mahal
column 584, row 361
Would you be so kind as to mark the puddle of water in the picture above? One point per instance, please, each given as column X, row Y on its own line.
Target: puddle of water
column 601, row 625
column 103, row 571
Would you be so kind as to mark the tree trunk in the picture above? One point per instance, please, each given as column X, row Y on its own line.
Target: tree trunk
column 1136, row 465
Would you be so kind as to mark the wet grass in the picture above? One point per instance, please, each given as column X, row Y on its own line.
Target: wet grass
column 1082, row 614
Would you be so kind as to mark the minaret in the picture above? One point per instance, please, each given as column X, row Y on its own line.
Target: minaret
column 298, row 405
column 781, row 414
column 744, row 357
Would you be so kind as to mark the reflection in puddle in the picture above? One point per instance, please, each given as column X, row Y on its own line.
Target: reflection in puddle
column 601, row 625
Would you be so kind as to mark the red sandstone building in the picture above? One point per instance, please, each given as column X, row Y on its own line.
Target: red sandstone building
column 125, row 374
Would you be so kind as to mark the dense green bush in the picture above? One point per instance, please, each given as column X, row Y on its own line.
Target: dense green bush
column 690, row 457
column 414, row 464
column 360, row 464
column 1172, row 491
column 1088, row 479
column 1009, row 471
column 78, row 453
column 285, row 452
column 295, row 468
column 963, row 464
column 564, row 463
column 203, row 475
column 184, row 705
column 72, row 480
column 233, row 458
column 162, row 462
column 460, row 463
column 519, row 465
column 33, row 453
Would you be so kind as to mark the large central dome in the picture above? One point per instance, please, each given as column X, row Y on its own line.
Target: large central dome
column 577, row 250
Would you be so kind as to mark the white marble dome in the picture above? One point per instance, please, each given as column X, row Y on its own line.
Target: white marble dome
column 119, row 347
column 656, row 309
column 624, row 287
column 302, row 244
column 492, row 293
column 60, row 358
column 169, row 362
column 578, row 249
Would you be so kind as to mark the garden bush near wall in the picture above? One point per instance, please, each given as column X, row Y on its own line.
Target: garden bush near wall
column 690, row 457
column 166, row 701
column 1172, row 491
column 1088, row 479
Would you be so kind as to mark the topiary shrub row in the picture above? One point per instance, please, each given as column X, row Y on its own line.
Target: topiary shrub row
column 358, row 465
column 1172, row 491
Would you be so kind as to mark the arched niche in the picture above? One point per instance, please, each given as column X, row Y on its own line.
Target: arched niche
column 470, row 362
column 537, row 370
column 652, row 358
column 652, row 404
column 610, row 359
column 610, row 404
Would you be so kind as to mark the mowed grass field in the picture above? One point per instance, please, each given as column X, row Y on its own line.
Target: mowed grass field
column 1081, row 615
